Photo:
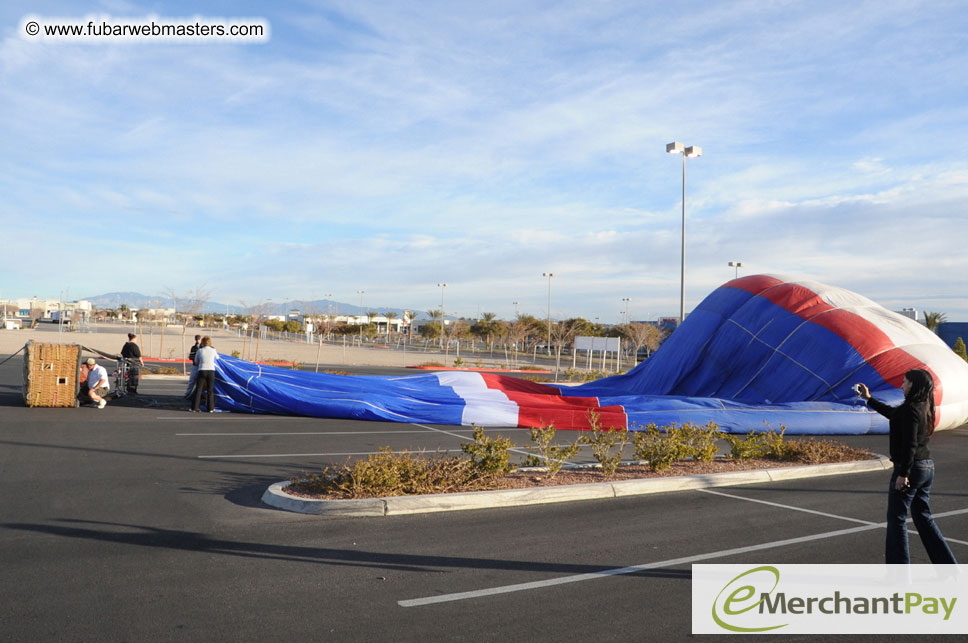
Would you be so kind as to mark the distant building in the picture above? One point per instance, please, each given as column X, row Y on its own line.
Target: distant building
column 396, row 324
column 668, row 324
column 949, row 332
column 45, row 309
column 910, row 313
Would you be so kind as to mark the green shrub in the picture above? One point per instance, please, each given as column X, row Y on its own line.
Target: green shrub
column 818, row 450
column 747, row 447
column 757, row 445
column 548, row 454
column 776, row 448
column 395, row 474
column 661, row 449
column 236, row 354
column 699, row 442
column 488, row 455
column 602, row 441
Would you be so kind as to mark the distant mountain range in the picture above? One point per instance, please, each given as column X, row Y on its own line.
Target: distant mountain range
column 135, row 300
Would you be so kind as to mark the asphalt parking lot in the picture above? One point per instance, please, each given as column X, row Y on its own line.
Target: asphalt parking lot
column 142, row 522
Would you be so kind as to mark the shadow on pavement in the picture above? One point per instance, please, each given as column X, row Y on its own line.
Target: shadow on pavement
column 143, row 536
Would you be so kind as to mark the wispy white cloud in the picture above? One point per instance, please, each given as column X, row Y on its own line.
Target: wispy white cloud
column 389, row 146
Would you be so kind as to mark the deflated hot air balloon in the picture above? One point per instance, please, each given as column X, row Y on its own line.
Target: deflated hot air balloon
column 758, row 353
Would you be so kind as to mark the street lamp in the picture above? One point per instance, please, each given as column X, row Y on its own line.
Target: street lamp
column 693, row 151
column 441, row 286
column 737, row 265
column 549, row 275
column 627, row 300
column 361, row 293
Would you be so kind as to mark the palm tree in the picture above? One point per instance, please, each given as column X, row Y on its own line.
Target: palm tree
column 409, row 316
column 435, row 328
column 390, row 317
column 517, row 333
column 486, row 326
column 933, row 320
column 370, row 328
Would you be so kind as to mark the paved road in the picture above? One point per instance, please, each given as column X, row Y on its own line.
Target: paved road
column 141, row 523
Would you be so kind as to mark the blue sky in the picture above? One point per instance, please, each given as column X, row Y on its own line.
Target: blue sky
column 390, row 146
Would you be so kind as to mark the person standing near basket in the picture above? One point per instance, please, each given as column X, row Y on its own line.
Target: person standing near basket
column 131, row 352
column 911, row 425
column 205, row 378
column 191, row 358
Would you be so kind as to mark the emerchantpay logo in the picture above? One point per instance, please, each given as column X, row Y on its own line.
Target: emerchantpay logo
column 829, row 599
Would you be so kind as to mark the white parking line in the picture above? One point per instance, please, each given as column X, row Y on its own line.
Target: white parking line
column 235, row 417
column 956, row 512
column 303, row 433
column 315, row 455
column 506, row 589
column 776, row 504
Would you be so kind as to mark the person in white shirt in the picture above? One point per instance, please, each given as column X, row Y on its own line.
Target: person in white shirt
column 97, row 383
column 205, row 379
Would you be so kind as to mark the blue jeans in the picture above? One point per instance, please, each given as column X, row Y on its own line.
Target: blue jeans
column 916, row 500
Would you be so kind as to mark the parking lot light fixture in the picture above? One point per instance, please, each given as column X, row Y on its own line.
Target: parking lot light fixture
column 442, row 287
column 692, row 151
column 549, row 275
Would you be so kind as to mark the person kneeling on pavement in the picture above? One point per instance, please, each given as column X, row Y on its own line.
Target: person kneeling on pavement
column 96, row 386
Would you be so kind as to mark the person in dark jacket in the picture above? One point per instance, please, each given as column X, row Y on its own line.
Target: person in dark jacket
column 191, row 358
column 912, row 424
column 132, row 354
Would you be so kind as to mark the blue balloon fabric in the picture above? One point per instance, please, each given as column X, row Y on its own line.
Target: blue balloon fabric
column 759, row 353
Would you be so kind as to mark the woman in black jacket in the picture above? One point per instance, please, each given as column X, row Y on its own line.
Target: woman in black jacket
column 912, row 424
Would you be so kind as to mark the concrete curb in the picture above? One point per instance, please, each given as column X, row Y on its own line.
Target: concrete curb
column 275, row 495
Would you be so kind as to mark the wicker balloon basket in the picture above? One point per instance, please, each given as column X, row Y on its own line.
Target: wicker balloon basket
column 51, row 374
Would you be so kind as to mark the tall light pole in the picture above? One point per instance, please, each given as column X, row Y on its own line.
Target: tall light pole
column 693, row 151
column 549, row 275
column 627, row 300
column 737, row 265
column 441, row 286
column 516, row 313
column 361, row 293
